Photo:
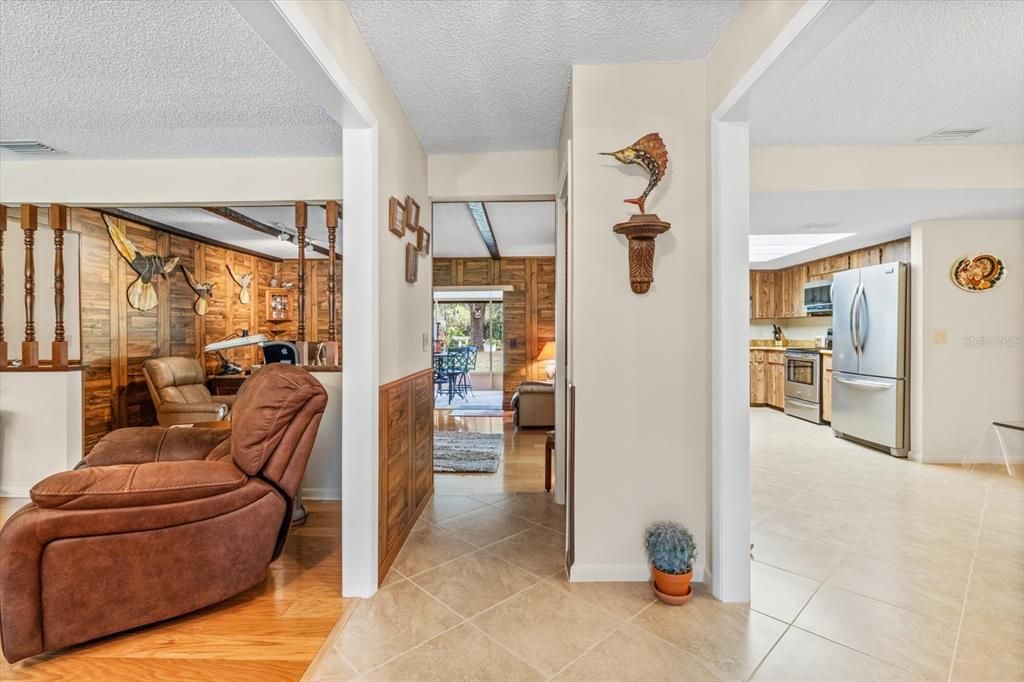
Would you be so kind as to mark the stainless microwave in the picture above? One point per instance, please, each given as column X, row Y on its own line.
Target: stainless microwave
column 818, row 297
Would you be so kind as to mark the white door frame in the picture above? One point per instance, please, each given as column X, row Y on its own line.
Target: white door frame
column 813, row 27
column 283, row 26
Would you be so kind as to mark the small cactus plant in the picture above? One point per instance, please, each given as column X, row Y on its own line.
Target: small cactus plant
column 670, row 547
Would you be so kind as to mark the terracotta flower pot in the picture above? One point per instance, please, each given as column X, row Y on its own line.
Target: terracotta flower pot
column 672, row 588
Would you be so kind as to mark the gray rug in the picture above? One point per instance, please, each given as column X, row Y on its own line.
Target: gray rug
column 456, row 451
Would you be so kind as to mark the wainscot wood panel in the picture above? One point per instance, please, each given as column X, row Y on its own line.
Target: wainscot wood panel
column 406, row 460
column 529, row 308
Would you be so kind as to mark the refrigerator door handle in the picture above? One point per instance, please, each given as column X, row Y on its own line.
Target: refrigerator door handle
column 859, row 303
column 862, row 383
column 853, row 323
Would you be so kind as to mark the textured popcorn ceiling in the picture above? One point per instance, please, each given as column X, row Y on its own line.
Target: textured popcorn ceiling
column 493, row 75
column 902, row 71
column 162, row 79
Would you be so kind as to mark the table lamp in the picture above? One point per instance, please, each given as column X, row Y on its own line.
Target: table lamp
column 547, row 356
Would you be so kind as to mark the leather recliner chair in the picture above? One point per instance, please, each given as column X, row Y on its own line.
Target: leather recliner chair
column 177, row 386
column 157, row 522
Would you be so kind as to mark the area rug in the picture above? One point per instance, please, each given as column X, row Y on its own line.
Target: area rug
column 457, row 451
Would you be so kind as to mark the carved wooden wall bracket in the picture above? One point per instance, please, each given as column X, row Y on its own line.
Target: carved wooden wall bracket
column 641, row 230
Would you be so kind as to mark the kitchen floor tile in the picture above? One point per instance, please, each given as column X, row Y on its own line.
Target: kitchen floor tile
column 428, row 547
column 537, row 550
column 804, row 657
column 485, row 526
column 474, row 582
column 810, row 559
column 622, row 600
column 777, row 593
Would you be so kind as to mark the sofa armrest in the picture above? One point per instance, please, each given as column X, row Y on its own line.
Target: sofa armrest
column 535, row 387
column 137, row 485
column 154, row 443
column 214, row 407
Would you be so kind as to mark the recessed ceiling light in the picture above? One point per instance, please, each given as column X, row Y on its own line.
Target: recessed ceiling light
column 765, row 247
column 27, row 147
column 950, row 134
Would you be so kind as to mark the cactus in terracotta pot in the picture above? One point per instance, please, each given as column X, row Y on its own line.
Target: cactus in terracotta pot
column 672, row 551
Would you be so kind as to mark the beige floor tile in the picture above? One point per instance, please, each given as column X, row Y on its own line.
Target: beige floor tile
column 332, row 668
column 803, row 657
column 928, row 553
column 760, row 510
column 770, row 493
column 537, row 550
column 920, row 644
column 545, row 626
column 492, row 498
column 812, row 560
column 995, row 595
column 730, row 638
column 539, row 508
column 485, row 526
column 839, row 488
column 443, row 507
column 1001, row 542
column 392, row 577
column 916, row 587
column 623, row 600
column 826, row 526
column 395, row 619
column 777, row 593
column 462, row 653
column 631, row 653
column 991, row 652
column 429, row 547
column 474, row 582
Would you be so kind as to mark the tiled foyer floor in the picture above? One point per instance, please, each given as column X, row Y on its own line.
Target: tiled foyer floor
column 866, row 568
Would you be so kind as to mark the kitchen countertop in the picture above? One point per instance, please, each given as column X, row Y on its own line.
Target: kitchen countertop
column 780, row 349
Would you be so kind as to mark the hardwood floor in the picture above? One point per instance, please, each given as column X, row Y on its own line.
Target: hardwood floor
column 270, row 632
column 521, row 469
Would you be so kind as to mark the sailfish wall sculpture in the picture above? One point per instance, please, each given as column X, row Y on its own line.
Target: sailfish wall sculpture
column 141, row 293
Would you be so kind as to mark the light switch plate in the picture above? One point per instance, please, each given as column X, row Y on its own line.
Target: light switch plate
column 939, row 337
column 426, row 342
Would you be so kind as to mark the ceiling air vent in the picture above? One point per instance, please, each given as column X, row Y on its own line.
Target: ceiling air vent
column 26, row 147
column 950, row 134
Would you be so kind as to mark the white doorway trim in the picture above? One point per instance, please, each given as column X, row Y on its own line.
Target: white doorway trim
column 284, row 27
column 813, row 27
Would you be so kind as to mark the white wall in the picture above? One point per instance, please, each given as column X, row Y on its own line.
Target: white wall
column 802, row 168
column 493, row 175
column 166, row 182
column 802, row 328
column 641, row 441
column 960, row 384
column 36, row 443
column 45, row 312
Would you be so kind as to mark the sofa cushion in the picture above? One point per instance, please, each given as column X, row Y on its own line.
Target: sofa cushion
column 135, row 485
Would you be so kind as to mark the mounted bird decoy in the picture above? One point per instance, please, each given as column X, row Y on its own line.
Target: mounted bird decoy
column 650, row 153
column 141, row 293
column 204, row 292
column 244, row 281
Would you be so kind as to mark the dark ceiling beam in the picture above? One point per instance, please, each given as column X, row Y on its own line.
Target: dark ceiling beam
column 253, row 224
column 163, row 227
column 483, row 224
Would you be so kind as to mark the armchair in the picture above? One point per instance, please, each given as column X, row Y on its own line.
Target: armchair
column 177, row 386
column 158, row 522
column 534, row 405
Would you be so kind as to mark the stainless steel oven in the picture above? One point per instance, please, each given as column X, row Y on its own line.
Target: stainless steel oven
column 803, row 384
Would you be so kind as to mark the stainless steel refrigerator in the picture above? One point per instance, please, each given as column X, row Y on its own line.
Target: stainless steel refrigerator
column 870, row 392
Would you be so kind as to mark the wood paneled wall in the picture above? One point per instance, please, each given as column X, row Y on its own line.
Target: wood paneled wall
column 117, row 339
column 406, row 460
column 529, row 308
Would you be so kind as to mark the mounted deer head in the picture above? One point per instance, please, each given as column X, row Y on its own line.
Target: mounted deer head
column 141, row 293
column 243, row 281
column 204, row 292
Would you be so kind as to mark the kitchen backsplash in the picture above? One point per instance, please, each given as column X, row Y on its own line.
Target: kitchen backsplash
column 801, row 328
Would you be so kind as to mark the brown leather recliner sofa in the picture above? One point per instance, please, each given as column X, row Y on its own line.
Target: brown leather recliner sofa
column 534, row 405
column 177, row 386
column 158, row 522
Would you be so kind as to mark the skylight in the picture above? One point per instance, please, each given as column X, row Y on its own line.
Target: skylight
column 765, row 247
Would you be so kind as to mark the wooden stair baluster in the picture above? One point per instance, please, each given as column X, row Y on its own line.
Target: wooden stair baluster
column 58, row 223
column 30, row 347
column 300, row 229
column 332, row 258
column 3, row 341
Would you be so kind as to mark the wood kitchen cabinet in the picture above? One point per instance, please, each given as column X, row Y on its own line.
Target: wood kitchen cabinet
column 775, row 378
column 826, row 387
column 865, row 257
column 824, row 267
column 758, row 390
column 898, row 250
column 793, row 280
column 762, row 294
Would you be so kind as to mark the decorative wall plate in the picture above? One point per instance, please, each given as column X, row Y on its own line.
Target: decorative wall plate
column 980, row 273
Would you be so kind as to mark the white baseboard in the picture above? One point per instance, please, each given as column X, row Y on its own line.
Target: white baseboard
column 13, row 491
column 619, row 573
column 986, row 458
column 332, row 494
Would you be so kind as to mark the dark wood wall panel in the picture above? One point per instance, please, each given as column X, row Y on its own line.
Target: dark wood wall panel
column 406, row 460
column 529, row 308
column 117, row 339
